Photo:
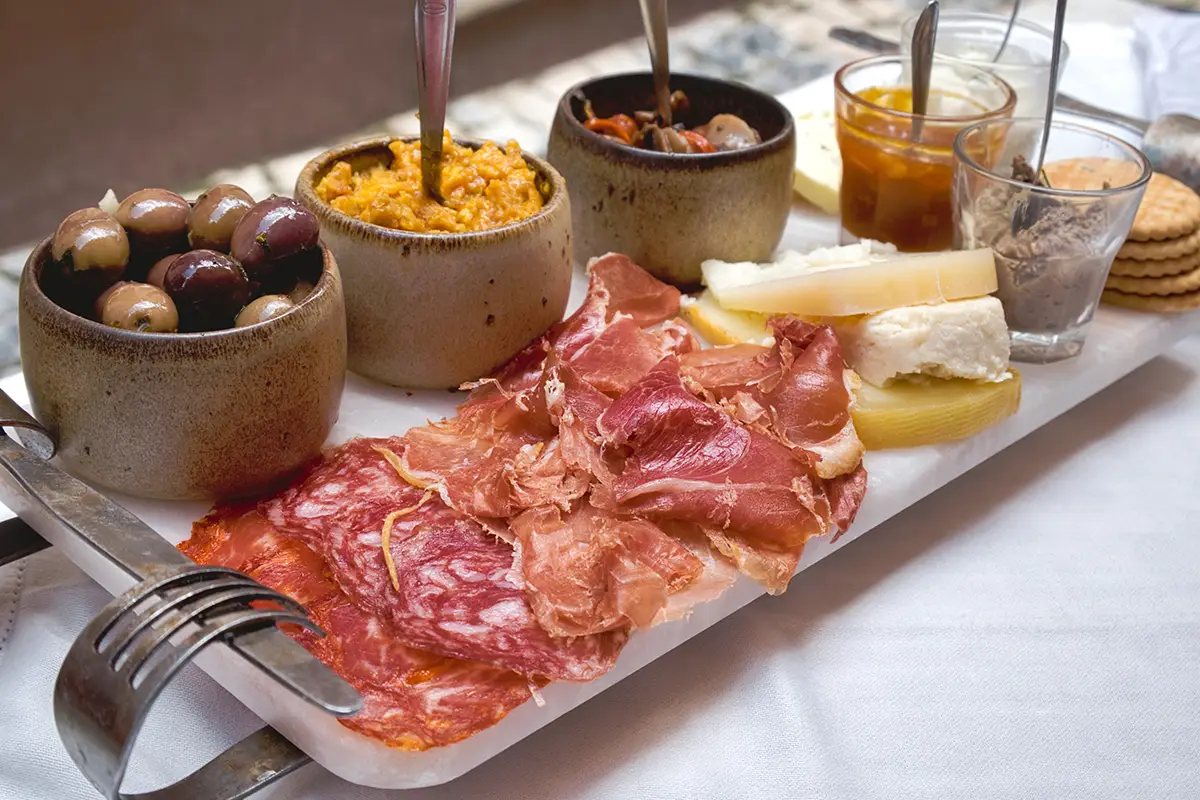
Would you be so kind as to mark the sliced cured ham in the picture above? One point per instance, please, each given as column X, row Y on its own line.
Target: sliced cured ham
column 449, row 587
column 683, row 458
column 588, row 571
column 799, row 390
column 412, row 700
column 623, row 328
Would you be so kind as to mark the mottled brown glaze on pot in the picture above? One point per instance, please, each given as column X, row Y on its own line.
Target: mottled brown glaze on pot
column 668, row 211
column 185, row 416
column 431, row 311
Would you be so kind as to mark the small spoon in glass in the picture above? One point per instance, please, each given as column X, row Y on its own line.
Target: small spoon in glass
column 924, row 39
column 1012, row 21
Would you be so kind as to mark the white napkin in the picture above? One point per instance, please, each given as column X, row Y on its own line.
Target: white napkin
column 1168, row 49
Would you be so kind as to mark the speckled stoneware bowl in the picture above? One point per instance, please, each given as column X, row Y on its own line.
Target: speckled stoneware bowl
column 431, row 311
column 669, row 212
column 190, row 415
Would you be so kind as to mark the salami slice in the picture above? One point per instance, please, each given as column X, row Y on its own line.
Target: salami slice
column 456, row 592
column 412, row 700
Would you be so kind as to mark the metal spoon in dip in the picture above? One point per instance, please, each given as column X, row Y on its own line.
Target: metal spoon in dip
column 1060, row 19
column 435, row 42
column 654, row 17
column 924, row 39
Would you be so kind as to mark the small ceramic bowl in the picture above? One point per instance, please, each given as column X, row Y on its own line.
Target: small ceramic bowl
column 185, row 416
column 670, row 212
column 434, row 310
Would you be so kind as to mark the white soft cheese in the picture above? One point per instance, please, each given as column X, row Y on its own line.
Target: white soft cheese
column 961, row 339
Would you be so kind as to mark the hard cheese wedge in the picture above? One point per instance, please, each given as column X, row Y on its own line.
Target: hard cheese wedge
column 856, row 279
column 931, row 412
column 721, row 326
column 818, row 174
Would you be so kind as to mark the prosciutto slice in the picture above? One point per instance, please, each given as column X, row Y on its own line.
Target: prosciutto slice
column 454, row 592
column 588, row 571
column 623, row 328
column 799, row 390
column 682, row 458
column 412, row 700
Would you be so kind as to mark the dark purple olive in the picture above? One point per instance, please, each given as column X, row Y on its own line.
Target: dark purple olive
column 158, row 273
column 209, row 288
column 264, row 308
column 92, row 241
column 216, row 213
column 137, row 307
column 271, row 231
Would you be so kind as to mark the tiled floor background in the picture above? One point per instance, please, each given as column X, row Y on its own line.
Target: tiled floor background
column 774, row 45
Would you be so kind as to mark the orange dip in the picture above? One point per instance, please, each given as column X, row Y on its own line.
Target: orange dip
column 893, row 190
column 483, row 189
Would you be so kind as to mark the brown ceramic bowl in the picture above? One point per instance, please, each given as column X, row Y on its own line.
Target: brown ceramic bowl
column 670, row 212
column 187, row 415
column 431, row 311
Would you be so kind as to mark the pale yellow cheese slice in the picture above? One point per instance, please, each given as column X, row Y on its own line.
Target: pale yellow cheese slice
column 818, row 174
column 721, row 326
column 931, row 412
column 843, row 287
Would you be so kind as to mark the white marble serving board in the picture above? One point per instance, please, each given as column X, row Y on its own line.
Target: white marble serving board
column 1119, row 342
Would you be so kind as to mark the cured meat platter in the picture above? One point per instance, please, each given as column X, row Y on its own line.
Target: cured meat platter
column 1119, row 342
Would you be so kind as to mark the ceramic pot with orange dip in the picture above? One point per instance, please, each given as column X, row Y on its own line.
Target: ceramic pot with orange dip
column 897, row 167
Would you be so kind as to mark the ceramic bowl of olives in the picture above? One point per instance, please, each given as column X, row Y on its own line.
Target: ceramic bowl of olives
column 185, row 351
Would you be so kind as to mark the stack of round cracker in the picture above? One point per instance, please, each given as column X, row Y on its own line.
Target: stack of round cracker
column 1158, row 267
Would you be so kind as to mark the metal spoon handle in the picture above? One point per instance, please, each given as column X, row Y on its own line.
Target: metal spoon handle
column 924, row 39
column 435, row 43
column 1012, row 21
column 1060, row 16
column 654, row 17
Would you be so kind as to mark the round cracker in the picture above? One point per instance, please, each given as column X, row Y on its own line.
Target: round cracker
column 1161, row 251
column 1172, row 284
column 1168, row 210
column 1168, row 305
column 1155, row 269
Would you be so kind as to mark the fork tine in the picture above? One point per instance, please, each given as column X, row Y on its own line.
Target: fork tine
column 139, row 649
column 161, row 672
column 112, row 613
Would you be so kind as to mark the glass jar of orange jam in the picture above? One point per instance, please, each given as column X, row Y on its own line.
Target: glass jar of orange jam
column 897, row 167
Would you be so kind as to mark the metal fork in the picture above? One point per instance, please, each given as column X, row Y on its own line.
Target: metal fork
column 122, row 660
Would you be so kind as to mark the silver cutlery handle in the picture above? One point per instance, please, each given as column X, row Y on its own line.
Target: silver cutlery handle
column 64, row 509
column 435, row 46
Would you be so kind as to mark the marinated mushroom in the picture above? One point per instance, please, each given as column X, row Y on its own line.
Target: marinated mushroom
column 215, row 215
column 729, row 132
column 155, row 219
column 92, row 241
column 273, row 230
column 264, row 308
column 137, row 307
column 209, row 288
column 643, row 130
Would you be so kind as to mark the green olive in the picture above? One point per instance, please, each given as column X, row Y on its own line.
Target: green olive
column 137, row 307
column 92, row 241
column 216, row 213
column 264, row 308
column 300, row 291
column 154, row 217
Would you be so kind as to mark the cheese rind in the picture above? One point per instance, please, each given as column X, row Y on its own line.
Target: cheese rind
column 931, row 412
column 818, row 174
column 961, row 339
column 844, row 281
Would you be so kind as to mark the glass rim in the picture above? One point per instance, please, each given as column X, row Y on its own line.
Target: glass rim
column 907, row 26
column 1137, row 157
column 1002, row 112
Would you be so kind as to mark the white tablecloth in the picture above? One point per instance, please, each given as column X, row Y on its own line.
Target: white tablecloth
column 1032, row 630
